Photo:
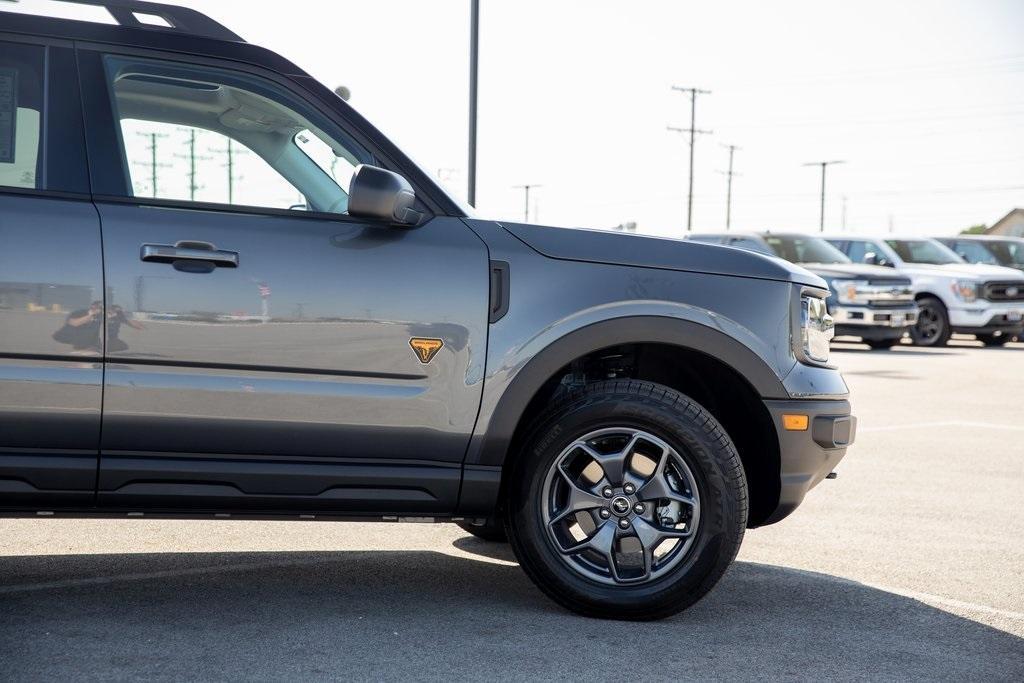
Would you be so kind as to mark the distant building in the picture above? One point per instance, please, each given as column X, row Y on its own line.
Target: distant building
column 1012, row 225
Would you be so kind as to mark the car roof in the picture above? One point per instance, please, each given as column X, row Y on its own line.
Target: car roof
column 188, row 32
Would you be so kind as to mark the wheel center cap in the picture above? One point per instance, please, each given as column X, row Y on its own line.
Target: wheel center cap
column 621, row 506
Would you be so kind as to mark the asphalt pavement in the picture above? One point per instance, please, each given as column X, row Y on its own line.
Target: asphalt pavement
column 910, row 565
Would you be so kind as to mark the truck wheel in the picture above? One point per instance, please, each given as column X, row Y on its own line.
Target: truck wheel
column 932, row 328
column 628, row 501
column 491, row 530
column 882, row 344
column 993, row 340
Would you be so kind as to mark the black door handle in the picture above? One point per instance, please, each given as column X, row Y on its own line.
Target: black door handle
column 189, row 251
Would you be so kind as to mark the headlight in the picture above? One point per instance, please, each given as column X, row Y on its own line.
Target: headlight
column 850, row 291
column 965, row 290
column 816, row 329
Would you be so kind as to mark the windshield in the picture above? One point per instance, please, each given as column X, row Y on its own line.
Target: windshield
column 923, row 251
column 803, row 249
column 1008, row 253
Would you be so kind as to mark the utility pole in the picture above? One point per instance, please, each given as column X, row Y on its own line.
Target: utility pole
column 728, row 192
column 231, row 153
column 192, row 158
column 474, row 45
column 844, row 213
column 824, row 165
column 693, row 131
column 526, row 193
column 153, row 164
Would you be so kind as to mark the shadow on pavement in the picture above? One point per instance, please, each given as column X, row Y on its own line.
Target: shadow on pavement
column 427, row 615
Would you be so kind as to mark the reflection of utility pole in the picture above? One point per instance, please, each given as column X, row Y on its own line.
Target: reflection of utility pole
column 728, row 191
column 153, row 164
column 192, row 158
column 526, row 192
column 231, row 153
column 693, row 131
column 824, row 165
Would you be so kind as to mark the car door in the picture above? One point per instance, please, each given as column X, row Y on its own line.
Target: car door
column 51, row 284
column 264, row 349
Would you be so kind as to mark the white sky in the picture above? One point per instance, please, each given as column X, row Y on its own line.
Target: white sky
column 923, row 99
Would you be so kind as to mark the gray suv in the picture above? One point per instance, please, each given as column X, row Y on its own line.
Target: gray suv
column 224, row 294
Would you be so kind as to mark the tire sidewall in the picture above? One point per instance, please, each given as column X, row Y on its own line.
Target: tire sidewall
column 944, row 334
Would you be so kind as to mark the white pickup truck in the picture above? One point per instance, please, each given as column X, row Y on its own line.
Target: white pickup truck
column 953, row 295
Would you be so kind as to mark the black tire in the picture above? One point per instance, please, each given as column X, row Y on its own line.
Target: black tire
column 491, row 530
column 993, row 340
column 694, row 435
column 932, row 328
column 882, row 344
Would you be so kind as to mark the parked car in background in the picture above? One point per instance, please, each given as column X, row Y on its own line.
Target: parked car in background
column 991, row 249
column 954, row 296
column 870, row 302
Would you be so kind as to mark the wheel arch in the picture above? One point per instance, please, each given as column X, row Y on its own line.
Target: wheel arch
column 711, row 367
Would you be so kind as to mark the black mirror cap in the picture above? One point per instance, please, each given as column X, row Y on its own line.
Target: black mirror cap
column 378, row 193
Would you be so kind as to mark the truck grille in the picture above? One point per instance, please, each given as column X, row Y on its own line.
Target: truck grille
column 1003, row 291
column 890, row 293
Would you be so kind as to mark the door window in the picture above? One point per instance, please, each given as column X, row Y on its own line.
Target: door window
column 858, row 250
column 192, row 133
column 21, row 115
column 972, row 252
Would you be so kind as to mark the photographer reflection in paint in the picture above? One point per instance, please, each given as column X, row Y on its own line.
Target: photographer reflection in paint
column 115, row 318
column 81, row 330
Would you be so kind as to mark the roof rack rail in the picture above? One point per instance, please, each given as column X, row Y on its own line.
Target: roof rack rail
column 183, row 19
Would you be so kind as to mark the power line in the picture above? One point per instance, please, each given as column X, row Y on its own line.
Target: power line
column 693, row 131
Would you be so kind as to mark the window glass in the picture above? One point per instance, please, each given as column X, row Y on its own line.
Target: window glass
column 207, row 135
column 750, row 245
column 923, row 251
column 1009, row 253
column 973, row 252
column 21, row 115
column 857, row 250
column 805, row 249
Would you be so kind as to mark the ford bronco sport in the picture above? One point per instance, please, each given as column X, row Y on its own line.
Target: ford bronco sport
column 334, row 337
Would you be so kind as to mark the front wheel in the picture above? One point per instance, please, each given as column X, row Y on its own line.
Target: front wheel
column 629, row 501
column 932, row 328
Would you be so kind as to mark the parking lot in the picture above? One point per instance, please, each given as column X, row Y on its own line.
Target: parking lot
column 909, row 565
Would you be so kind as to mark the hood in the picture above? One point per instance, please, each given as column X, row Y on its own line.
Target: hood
column 980, row 271
column 616, row 248
column 853, row 270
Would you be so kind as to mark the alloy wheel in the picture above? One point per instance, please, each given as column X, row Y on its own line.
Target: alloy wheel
column 621, row 506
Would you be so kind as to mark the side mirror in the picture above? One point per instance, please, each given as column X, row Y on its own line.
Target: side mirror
column 873, row 259
column 383, row 195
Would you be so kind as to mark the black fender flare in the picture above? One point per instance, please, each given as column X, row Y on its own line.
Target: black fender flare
column 685, row 334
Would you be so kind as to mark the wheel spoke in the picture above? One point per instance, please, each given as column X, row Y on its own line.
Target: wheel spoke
column 613, row 464
column 580, row 499
column 602, row 541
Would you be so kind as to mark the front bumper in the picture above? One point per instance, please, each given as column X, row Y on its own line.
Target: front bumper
column 865, row 316
column 987, row 318
column 808, row 456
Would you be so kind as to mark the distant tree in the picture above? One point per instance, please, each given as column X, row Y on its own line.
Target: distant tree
column 974, row 230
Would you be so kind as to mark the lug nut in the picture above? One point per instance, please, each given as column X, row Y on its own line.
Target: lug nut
column 607, row 492
column 629, row 488
column 623, row 523
column 638, row 508
column 605, row 513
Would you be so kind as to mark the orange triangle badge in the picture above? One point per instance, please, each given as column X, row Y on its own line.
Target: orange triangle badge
column 425, row 348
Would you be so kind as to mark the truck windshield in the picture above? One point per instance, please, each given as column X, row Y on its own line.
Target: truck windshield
column 804, row 249
column 1008, row 253
column 923, row 251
